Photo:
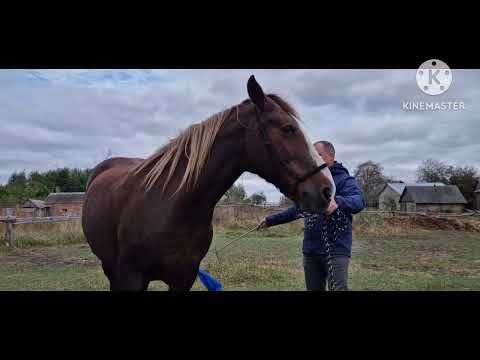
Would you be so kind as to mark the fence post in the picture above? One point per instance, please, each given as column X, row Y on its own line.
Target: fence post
column 10, row 232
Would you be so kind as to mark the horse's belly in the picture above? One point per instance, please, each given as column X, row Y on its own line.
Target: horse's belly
column 160, row 252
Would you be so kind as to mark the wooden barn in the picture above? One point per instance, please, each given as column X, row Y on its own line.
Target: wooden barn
column 389, row 197
column 65, row 204
column 438, row 199
column 34, row 208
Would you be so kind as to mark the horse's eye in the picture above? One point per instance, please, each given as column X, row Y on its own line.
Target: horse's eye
column 288, row 129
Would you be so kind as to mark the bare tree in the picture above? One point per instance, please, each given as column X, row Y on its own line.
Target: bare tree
column 466, row 179
column 432, row 170
column 285, row 201
column 108, row 153
column 371, row 179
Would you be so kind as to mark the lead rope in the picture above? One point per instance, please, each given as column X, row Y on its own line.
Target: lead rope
column 331, row 225
column 334, row 222
column 234, row 240
column 325, row 227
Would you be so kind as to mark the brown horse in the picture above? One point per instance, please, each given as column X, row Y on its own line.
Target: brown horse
column 152, row 219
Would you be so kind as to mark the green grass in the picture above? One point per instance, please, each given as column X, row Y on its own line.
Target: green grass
column 269, row 260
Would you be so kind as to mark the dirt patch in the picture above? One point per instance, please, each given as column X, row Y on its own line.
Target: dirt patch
column 433, row 223
column 54, row 261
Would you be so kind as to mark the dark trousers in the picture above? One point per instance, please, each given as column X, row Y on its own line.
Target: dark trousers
column 316, row 272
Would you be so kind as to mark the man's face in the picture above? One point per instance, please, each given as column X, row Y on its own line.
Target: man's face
column 329, row 159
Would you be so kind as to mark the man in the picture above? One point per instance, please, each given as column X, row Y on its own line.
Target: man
column 348, row 200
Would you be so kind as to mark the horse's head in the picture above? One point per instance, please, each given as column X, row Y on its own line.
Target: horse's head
column 280, row 152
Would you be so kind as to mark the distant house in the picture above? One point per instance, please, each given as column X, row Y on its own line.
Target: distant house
column 34, row 208
column 439, row 199
column 63, row 204
column 476, row 197
column 389, row 197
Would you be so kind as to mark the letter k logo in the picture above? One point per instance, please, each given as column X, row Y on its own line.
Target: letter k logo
column 433, row 76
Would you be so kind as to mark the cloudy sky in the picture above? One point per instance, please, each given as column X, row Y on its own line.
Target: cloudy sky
column 76, row 118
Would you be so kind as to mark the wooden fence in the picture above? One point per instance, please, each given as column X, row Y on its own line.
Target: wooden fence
column 12, row 221
column 427, row 214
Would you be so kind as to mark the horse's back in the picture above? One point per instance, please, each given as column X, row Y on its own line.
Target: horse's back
column 122, row 163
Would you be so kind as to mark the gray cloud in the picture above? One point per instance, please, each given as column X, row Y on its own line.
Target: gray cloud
column 62, row 118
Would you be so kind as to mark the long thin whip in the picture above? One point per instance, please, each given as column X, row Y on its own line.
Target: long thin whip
column 235, row 240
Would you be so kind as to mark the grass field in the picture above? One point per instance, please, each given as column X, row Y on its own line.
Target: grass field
column 390, row 259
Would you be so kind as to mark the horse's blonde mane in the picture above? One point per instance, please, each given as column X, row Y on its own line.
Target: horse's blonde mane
column 195, row 143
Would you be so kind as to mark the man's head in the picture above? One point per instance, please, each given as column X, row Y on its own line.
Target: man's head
column 326, row 150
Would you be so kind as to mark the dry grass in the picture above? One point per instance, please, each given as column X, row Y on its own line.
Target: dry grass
column 368, row 224
column 440, row 260
column 46, row 234
column 365, row 224
column 240, row 219
column 234, row 221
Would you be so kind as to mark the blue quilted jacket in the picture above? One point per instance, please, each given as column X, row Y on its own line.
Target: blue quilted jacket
column 349, row 198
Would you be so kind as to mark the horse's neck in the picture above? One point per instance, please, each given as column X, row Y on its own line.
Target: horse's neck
column 225, row 165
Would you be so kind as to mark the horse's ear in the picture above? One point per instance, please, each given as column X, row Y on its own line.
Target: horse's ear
column 255, row 93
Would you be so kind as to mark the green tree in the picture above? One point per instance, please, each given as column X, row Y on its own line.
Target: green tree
column 258, row 198
column 38, row 185
column 17, row 179
column 236, row 194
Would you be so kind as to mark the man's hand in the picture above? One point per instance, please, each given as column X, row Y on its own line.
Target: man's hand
column 263, row 225
column 332, row 207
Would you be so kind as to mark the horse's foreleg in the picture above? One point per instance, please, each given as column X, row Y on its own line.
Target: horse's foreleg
column 129, row 280
column 180, row 287
column 132, row 282
column 184, row 280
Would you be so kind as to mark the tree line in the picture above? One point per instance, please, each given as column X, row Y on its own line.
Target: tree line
column 370, row 176
column 37, row 185
column 237, row 195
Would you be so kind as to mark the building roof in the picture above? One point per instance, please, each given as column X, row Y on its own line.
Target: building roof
column 64, row 198
column 39, row 204
column 447, row 194
column 399, row 187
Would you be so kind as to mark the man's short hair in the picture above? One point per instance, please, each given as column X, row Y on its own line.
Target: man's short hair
column 328, row 147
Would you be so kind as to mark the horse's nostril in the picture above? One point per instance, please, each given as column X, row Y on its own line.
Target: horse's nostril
column 327, row 192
